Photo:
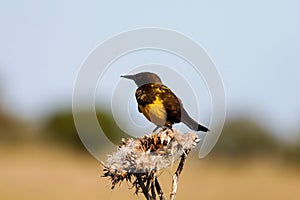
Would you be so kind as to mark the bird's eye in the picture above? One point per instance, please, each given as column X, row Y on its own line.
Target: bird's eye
column 138, row 92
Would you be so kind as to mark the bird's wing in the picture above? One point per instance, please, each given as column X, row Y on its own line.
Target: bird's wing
column 171, row 103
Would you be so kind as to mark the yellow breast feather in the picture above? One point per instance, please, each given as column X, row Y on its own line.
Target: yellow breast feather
column 155, row 112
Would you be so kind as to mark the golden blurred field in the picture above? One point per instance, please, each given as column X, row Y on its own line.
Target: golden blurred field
column 49, row 162
column 36, row 171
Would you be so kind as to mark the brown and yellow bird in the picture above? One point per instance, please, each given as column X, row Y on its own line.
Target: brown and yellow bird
column 159, row 104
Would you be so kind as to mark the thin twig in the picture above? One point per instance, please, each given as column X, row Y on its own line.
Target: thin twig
column 175, row 177
column 153, row 193
column 150, row 181
column 159, row 190
column 144, row 189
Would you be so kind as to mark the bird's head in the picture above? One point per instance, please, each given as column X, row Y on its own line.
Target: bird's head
column 143, row 78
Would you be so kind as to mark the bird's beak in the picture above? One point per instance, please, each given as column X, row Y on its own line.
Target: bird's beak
column 128, row 76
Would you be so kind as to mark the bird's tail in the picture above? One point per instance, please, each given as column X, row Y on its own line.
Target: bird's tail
column 192, row 124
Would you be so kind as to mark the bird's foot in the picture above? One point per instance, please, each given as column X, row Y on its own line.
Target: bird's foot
column 164, row 128
column 168, row 128
column 156, row 128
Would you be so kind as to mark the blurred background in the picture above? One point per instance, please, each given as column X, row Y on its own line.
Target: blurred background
column 254, row 44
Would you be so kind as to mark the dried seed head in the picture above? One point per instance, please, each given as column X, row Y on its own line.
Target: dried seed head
column 147, row 154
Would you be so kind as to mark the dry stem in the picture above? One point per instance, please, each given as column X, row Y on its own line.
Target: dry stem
column 175, row 177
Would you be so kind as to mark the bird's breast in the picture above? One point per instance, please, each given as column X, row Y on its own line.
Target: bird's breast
column 155, row 111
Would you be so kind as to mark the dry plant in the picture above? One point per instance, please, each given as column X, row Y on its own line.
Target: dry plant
column 139, row 161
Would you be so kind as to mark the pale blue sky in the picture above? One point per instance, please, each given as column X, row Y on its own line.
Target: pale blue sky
column 254, row 44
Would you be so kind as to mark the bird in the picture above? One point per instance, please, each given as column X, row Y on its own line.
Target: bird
column 159, row 104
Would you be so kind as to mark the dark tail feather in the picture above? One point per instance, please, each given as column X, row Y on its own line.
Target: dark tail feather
column 192, row 124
